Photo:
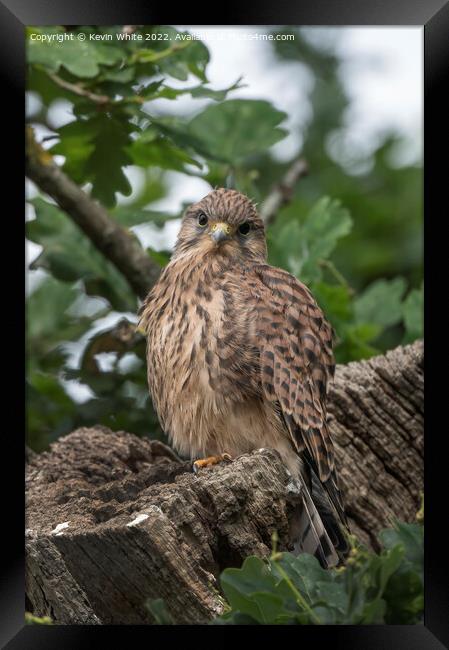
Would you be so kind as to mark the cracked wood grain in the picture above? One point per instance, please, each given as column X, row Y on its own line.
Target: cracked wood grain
column 138, row 524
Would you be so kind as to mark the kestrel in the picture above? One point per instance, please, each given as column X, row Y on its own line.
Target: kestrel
column 239, row 356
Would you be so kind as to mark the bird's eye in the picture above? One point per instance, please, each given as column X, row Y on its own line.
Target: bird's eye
column 202, row 219
column 244, row 228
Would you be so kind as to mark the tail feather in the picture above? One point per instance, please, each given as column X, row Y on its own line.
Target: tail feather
column 317, row 527
column 334, row 521
column 309, row 533
column 334, row 496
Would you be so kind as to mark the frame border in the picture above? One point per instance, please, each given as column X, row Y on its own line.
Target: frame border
column 433, row 15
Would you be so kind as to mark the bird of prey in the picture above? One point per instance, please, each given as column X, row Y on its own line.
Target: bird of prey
column 239, row 356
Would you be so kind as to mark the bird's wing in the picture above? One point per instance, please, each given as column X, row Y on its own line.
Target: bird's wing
column 296, row 362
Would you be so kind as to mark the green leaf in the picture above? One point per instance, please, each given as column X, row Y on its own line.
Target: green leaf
column 413, row 314
column 124, row 75
column 235, row 129
column 239, row 601
column 253, row 575
column 333, row 594
column 104, row 165
column 150, row 150
column 380, row 303
column 161, row 257
column 391, row 562
column 301, row 244
column 271, row 607
column 69, row 256
column 159, row 612
column 369, row 589
column 80, row 58
column 76, row 144
column 286, row 247
column 177, row 130
column 50, row 411
column 174, row 53
column 335, row 301
column 96, row 150
column 153, row 56
column 152, row 189
column 411, row 537
column 227, row 132
column 305, row 572
column 356, row 339
column 325, row 224
column 404, row 590
column 217, row 95
column 38, row 81
column 30, row 619
column 47, row 309
column 240, row 585
column 404, row 598
column 158, row 90
column 373, row 613
column 234, row 618
column 128, row 216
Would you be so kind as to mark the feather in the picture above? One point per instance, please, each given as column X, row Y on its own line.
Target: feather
column 296, row 363
column 239, row 356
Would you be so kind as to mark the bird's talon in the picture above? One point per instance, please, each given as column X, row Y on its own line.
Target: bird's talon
column 210, row 461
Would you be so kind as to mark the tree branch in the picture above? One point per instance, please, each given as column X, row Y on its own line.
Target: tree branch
column 118, row 245
column 283, row 192
column 79, row 90
column 129, row 29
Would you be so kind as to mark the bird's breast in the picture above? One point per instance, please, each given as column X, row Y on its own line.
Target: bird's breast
column 202, row 360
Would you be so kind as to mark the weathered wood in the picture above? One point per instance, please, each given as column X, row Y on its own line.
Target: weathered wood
column 377, row 421
column 113, row 520
column 154, row 530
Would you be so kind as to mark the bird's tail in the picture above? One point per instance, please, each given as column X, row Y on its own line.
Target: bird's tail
column 315, row 527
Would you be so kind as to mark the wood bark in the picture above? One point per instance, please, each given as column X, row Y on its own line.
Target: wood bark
column 282, row 193
column 114, row 520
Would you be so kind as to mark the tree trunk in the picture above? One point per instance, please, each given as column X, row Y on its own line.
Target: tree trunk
column 114, row 520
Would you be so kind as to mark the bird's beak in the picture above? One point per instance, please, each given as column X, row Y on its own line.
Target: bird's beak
column 220, row 232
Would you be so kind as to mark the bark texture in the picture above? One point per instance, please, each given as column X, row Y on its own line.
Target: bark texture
column 114, row 520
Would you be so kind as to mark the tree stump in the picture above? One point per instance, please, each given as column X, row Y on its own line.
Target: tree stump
column 114, row 520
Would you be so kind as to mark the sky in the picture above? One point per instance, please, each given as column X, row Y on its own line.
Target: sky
column 382, row 69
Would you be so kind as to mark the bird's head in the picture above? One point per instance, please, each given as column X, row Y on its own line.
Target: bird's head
column 225, row 222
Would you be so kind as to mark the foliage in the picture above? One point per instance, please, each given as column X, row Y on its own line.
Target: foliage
column 356, row 240
column 69, row 256
column 370, row 589
column 30, row 619
column 384, row 197
column 159, row 612
column 304, row 246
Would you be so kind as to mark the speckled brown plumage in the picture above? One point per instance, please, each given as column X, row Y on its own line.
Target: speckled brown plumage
column 240, row 355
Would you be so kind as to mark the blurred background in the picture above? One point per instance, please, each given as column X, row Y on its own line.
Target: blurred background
column 184, row 116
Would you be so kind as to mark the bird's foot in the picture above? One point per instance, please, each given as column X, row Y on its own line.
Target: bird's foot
column 210, row 460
